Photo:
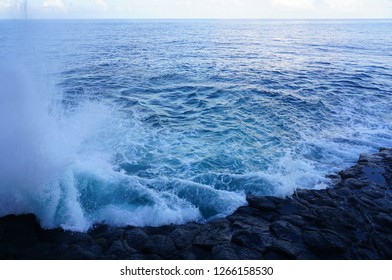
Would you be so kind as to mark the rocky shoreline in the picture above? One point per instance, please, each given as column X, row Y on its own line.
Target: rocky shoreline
column 349, row 221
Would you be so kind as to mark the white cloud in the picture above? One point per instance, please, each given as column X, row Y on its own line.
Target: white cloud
column 102, row 4
column 347, row 4
column 4, row 5
column 199, row 8
column 361, row 8
column 55, row 4
column 10, row 4
column 295, row 3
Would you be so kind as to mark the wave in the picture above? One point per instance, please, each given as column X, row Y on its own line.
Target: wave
column 63, row 166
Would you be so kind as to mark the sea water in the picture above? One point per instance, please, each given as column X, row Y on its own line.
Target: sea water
column 154, row 122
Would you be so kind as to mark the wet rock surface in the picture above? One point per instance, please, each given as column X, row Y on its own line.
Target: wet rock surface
column 352, row 220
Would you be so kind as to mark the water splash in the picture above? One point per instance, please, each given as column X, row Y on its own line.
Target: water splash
column 61, row 165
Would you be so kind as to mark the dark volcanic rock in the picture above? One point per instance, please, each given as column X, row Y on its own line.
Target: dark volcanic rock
column 229, row 251
column 256, row 240
column 16, row 234
column 349, row 221
column 265, row 203
column 286, row 231
column 136, row 238
column 324, row 242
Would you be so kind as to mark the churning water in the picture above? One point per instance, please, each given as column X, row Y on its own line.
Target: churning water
column 157, row 122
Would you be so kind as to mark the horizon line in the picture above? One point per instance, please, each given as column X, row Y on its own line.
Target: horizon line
column 175, row 18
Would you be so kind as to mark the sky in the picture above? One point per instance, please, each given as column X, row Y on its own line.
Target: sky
column 232, row 9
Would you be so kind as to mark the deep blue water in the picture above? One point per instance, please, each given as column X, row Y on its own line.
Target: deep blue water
column 156, row 122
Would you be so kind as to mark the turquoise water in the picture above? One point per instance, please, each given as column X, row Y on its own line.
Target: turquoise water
column 158, row 122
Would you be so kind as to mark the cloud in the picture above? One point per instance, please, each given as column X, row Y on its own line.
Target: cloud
column 360, row 8
column 198, row 8
column 55, row 4
column 4, row 5
column 10, row 4
column 101, row 4
column 299, row 4
column 348, row 4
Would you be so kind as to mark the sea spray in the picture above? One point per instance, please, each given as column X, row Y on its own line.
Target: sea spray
column 36, row 154
column 61, row 165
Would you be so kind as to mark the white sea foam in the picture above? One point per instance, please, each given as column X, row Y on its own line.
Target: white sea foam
column 60, row 166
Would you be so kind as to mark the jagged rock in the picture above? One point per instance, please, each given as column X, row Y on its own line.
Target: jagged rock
column 120, row 249
column 263, row 203
column 290, row 249
column 210, row 236
column 259, row 241
column 295, row 220
column 231, row 251
column 353, row 183
column 18, row 231
column 352, row 172
column 160, row 245
column 136, row 238
column 182, row 238
column 383, row 244
column 286, row 231
column 323, row 242
column 199, row 253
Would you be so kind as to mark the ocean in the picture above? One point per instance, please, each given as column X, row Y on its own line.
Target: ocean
column 153, row 122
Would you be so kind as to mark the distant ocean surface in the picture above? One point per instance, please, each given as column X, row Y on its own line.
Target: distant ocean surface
column 169, row 121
